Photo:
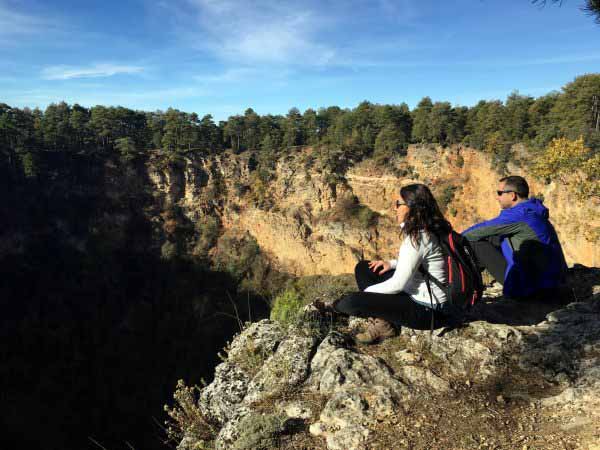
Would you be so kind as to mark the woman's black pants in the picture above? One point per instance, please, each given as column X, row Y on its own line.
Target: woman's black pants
column 398, row 309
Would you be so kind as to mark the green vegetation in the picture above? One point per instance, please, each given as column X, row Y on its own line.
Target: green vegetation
column 445, row 195
column 324, row 287
column 287, row 307
column 298, row 292
column 349, row 211
column 590, row 7
column 340, row 137
column 571, row 162
column 241, row 258
column 250, row 358
column 207, row 230
column 261, row 431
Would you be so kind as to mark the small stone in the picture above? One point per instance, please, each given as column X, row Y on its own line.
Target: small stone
column 406, row 356
column 500, row 400
column 298, row 410
column 318, row 429
column 348, row 416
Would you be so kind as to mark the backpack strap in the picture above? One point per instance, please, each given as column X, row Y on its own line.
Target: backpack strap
column 427, row 277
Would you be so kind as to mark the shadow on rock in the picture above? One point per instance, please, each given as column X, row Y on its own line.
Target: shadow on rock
column 494, row 308
column 564, row 350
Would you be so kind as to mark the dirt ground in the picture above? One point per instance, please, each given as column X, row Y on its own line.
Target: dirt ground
column 471, row 419
column 503, row 413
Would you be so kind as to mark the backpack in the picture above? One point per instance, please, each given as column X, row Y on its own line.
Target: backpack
column 465, row 286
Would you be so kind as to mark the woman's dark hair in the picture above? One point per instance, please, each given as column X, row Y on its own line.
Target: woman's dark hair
column 424, row 213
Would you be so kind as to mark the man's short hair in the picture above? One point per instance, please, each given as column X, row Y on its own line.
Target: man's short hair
column 517, row 184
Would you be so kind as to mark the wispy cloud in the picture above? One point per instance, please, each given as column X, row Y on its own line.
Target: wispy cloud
column 228, row 76
column 480, row 63
column 17, row 23
column 94, row 71
column 243, row 74
column 310, row 34
column 263, row 31
column 18, row 26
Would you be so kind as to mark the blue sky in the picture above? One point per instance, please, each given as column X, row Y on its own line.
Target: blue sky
column 223, row 56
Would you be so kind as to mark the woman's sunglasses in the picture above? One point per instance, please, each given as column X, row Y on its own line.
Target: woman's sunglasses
column 399, row 204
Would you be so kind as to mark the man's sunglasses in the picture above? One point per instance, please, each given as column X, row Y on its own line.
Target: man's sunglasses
column 399, row 204
column 503, row 192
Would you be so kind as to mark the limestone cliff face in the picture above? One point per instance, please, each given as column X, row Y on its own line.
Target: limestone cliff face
column 577, row 222
column 295, row 231
column 304, row 230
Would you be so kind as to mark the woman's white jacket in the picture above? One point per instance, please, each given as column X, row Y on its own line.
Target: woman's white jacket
column 408, row 279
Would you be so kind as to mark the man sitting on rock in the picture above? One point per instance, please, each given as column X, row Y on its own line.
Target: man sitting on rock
column 520, row 247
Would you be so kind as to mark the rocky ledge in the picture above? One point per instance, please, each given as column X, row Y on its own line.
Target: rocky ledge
column 516, row 375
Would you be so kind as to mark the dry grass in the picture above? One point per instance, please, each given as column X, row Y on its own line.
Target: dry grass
column 187, row 419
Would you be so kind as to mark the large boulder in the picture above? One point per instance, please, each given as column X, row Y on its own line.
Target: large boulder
column 348, row 417
column 246, row 355
column 218, row 400
column 260, row 338
column 474, row 351
column 335, row 367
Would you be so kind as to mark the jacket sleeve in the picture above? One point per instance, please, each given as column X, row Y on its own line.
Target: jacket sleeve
column 409, row 259
column 505, row 225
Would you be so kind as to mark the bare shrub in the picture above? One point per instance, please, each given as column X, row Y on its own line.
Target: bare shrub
column 187, row 419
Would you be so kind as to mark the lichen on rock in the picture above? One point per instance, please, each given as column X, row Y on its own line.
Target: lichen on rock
column 255, row 431
column 229, row 387
column 286, row 368
column 345, row 420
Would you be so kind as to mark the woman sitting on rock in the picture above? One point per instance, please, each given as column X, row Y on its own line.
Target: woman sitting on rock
column 394, row 293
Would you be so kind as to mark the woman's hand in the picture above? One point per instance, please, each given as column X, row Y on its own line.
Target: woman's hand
column 375, row 265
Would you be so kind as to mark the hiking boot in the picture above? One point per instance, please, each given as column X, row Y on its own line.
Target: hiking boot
column 377, row 330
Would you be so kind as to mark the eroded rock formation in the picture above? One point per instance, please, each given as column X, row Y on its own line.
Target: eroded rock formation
column 304, row 229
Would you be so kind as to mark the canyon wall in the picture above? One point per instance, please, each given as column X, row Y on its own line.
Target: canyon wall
column 306, row 229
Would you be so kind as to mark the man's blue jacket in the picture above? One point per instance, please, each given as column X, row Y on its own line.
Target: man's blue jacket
column 529, row 243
